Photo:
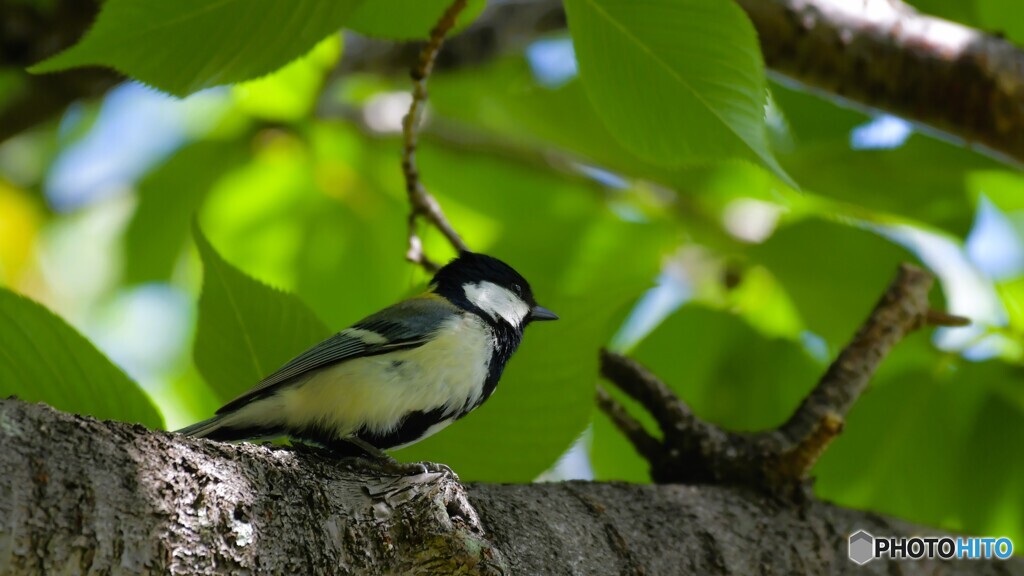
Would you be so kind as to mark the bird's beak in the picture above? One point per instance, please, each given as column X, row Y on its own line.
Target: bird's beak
column 542, row 313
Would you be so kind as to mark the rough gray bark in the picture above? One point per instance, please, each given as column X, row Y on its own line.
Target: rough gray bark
column 79, row 496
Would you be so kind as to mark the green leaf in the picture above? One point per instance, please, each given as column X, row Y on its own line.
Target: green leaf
column 675, row 80
column 834, row 273
column 991, row 469
column 956, row 10
column 1002, row 187
column 1011, row 293
column 187, row 45
column 695, row 352
column 924, row 179
column 246, row 329
column 811, row 118
column 1002, row 16
column 352, row 228
column 505, row 100
column 42, row 359
column 407, row 19
column 168, row 197
column 256, row 215
column 936, row 445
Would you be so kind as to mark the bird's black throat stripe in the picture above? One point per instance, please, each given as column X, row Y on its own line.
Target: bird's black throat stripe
column 506, row 340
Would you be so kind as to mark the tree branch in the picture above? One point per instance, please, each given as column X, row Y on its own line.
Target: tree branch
column 886, row 55
column 902, row 309
column 88, row 497
column 645, row 444
column 423, row 204
column 777, row 460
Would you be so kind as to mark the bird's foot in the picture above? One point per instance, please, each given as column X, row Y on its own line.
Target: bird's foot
column 360, row 454
column 389, row 465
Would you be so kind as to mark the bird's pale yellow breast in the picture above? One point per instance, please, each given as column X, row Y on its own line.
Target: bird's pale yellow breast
column 377, row 391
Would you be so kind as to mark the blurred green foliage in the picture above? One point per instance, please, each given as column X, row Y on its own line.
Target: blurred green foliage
column 654, row 167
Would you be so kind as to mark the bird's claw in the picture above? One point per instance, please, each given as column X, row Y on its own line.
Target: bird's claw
column 393, row 466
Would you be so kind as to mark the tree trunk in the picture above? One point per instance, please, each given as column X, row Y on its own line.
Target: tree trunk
column 79, row 496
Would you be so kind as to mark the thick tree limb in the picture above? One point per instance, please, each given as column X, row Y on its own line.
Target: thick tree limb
column 81, row 496
column 88, row 497
column 779, row 461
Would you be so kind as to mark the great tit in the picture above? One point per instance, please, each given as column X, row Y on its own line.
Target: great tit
column 395, row 377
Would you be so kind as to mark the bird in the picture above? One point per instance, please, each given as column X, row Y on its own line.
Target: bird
column 397, row 376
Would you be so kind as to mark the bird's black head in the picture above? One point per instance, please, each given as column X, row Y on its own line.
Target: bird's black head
column 490, row 288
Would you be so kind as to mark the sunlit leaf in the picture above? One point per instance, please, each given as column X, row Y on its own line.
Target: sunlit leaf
column 187, row 45
column 291, row 92
column 42, row 359
column 504, row 101
column 246, row 329
column 1002, row 187
column 675, row 81
column 256, row 214
column 1011, row 292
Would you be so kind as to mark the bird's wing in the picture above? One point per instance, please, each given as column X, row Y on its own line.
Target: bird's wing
column 405, row 325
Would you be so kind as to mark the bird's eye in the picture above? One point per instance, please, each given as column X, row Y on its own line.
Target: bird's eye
column 518, row 290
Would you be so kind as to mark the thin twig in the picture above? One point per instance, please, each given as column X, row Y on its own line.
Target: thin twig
column 939, row 318
column 422, row 203
column 672, row 414
column 645, row 444
column 902, row 309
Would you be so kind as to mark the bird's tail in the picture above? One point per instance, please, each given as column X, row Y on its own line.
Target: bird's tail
column 203, row 429
column 226, row 429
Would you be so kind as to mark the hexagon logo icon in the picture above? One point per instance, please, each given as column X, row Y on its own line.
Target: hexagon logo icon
column 862, row 547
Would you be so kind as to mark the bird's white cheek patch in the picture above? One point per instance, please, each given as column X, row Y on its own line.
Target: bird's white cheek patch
column 497, row 301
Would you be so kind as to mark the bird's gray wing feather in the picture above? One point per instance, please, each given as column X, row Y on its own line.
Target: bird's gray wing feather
column 405, row 325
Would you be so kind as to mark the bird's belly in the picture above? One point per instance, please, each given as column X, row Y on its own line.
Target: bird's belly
column 375, row 393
